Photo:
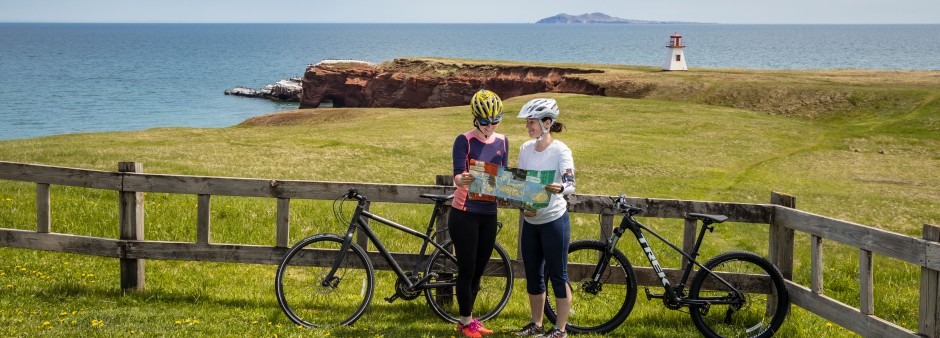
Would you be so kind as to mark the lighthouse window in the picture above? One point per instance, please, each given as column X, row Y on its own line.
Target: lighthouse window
column 678, row 57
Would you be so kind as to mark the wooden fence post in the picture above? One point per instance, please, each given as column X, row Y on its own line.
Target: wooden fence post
column 688, row 238
column 817, row 265
column 866, row 282
column 43, row 213
column 607, row 226
column 928, row 322
column 203, row 220
column 447, row 181
column 781, row 237
column 283, row 223
column 132, row 228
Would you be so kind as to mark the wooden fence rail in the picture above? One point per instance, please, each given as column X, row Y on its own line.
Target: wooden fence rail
column 133, row 249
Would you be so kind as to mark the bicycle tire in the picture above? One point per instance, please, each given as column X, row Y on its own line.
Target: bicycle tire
column 761, row 314
column 597, row 306
column 495, row 286
column 305, row 301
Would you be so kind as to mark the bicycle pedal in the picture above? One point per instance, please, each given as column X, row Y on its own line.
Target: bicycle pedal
column 650, row 295
column 391, row 299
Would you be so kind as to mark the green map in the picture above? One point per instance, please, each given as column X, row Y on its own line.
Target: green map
column 517, row 187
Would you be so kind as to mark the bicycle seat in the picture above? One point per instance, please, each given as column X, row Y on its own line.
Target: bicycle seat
column 707, row 218
column 438, row 198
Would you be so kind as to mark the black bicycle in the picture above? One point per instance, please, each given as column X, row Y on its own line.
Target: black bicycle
column 328, row 279
column 734, row 294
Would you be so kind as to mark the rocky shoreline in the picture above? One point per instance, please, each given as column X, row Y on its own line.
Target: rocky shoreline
column 283, row 90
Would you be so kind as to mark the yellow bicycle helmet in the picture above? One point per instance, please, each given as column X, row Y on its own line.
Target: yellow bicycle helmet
column 486, row 107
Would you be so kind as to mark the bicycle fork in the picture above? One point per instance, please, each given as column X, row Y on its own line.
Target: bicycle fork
column 330, row 280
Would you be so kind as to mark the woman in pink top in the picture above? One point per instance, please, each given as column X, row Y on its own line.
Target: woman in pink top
column 472, row 222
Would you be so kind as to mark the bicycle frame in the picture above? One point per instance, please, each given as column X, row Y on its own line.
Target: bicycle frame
column 358, row 222
column 673, row 297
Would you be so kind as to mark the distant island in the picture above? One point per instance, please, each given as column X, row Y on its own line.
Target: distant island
column 599, row 18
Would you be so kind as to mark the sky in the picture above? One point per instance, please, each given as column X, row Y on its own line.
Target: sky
column 478, row 11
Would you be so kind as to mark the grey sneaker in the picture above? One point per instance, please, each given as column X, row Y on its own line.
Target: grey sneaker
column 530, row 330
column 555, row 333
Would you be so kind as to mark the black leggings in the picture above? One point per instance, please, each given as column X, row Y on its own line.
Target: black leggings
column 474, row 236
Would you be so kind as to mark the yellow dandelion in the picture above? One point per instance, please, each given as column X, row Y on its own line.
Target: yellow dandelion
column 195, row 321
column 829, row 324
column 178, row 322
column 46, row 323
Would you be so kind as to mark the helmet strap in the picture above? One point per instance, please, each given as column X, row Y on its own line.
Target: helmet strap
column 476, row 123
column 545, row 130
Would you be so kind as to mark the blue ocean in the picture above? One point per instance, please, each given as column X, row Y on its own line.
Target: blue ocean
column 74, row 78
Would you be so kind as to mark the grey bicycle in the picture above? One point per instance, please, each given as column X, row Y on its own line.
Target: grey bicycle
column 328, row 279
column 734, row 294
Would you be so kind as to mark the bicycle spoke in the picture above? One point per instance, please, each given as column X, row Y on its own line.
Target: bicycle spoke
column 755, row 307
column 598, row 306
column 308, row 300
column 495, row 286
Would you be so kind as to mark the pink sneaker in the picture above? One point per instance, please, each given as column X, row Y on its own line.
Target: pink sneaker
column 480, row 327
column 470, row 330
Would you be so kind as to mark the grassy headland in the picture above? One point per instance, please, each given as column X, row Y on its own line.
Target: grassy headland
column 857, row 145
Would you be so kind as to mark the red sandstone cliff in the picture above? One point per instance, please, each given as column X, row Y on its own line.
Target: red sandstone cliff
column 420, row 83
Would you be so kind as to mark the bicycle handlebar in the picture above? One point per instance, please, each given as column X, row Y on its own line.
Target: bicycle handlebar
column 354, row 194
column 621, row 205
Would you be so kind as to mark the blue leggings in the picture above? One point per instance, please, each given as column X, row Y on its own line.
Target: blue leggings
column 545, row 249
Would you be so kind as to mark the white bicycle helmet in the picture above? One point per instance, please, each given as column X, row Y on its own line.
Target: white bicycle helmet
column 538, row 109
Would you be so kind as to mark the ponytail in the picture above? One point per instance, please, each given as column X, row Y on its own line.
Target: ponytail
column 556, row 127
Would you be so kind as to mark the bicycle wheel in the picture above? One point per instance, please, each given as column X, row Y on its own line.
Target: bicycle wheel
column 309, row 303
column 765, row 300
column 597, row 306
column 495, row 286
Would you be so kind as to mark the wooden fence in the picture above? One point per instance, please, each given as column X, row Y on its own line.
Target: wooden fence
column 783, row 219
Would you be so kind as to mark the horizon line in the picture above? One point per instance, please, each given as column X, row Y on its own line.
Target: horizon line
column 653, row 23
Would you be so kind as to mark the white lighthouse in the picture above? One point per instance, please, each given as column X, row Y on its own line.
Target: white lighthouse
column 676, row 58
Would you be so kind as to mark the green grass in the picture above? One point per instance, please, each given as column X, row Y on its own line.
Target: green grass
column 871, row 166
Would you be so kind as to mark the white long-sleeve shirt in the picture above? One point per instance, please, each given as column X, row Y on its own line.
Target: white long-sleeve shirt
column 557, row 156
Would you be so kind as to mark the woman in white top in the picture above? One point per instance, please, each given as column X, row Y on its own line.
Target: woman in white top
column 547, row 231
